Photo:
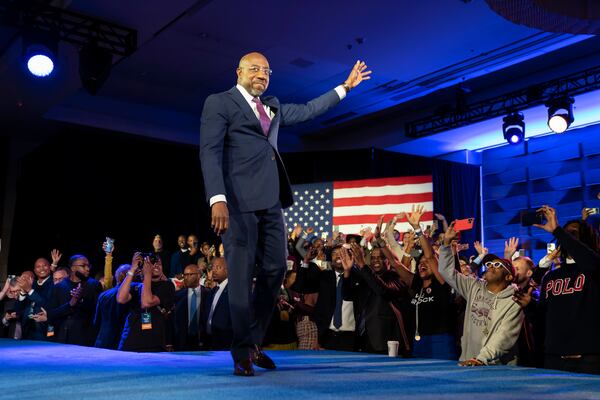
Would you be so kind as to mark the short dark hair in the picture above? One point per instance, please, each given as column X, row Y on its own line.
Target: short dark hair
column 75, row 258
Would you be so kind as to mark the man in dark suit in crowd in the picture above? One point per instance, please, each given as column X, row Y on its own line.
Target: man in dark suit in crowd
column 219, row 331
column 247, row 186
column 190, row 311
column 335, row 316
column 110, row 315
column 74, row 303
column 380, row 301
column 34, row 296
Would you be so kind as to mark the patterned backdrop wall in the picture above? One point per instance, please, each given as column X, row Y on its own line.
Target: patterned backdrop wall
column 559, row 170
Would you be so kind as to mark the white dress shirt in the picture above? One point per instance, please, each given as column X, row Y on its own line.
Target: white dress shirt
column 348, row 323
column 339, row 90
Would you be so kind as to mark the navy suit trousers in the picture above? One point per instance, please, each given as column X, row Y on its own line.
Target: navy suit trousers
column 255, row 245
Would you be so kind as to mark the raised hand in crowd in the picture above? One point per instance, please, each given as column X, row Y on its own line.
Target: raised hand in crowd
column 450, row 235
column 551, row 219
column 56, row 256
column 554, row 256
column 347, row 261
column 414, row 217
column 481, row 251
column 105, row 247
column 409, row 241
column 510, row 247
column 297, row 231
column 586, row 212
column 5, row 289
column 309, row 231
column 25, row 283
column 377, row 237
column 358, row 255
column 440, row 217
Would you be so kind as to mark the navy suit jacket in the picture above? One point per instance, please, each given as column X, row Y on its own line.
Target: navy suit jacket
column 182, row 315
column 221, row 327
column 238, row 160
column 40, row 297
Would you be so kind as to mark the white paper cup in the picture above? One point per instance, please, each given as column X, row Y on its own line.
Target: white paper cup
column 393, row 348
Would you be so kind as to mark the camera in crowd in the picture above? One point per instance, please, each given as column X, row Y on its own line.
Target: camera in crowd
column 152, row 257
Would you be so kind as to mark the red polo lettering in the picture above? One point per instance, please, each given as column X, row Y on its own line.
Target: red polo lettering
column 549, row 285
column 567, row 289
column 558, row 287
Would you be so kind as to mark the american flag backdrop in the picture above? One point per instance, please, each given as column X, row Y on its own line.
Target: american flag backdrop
column 353, row 205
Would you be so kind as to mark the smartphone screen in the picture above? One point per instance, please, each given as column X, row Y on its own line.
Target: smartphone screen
column 550, row 247
column 528, row 218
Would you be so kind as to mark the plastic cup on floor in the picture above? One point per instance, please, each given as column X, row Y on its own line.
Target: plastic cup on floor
column 393, row 348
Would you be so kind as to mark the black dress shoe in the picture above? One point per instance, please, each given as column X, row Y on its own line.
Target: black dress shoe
column 260, row 359
column 243, row 368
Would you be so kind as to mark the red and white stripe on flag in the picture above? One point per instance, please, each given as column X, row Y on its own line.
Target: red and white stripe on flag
column 358, row 204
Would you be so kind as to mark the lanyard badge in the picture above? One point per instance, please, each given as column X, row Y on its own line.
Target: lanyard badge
column 146, row 321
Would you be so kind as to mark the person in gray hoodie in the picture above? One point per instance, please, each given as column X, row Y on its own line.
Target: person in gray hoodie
column 492, row 319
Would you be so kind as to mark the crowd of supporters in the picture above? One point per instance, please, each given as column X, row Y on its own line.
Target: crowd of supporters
column 346, row 292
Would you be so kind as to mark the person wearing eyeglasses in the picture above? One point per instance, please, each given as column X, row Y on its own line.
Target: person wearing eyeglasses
column 190, row 311
column 73, row 305
column 492, row 319
column 246, row 187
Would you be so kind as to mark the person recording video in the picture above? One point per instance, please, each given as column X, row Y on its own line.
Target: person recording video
column 151, row 303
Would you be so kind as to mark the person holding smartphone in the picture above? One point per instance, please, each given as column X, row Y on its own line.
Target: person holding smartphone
column 151, row 304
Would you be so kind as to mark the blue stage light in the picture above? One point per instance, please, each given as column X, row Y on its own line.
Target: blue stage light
column 40, row 65
column 513, row 128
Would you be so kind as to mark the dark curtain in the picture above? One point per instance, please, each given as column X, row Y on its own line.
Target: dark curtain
column 84, row 185
column 87, row 184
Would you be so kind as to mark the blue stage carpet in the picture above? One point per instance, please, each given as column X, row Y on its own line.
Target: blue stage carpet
column 39, row 370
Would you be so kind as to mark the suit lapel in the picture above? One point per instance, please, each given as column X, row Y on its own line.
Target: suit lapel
column 245, row 107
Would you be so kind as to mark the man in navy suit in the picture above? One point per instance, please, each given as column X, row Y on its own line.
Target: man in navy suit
column 247, row 186
column 218, row 325
column 35, row 295
column 190, row 311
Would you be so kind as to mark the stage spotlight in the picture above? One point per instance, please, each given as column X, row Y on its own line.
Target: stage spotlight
column 560, row 114
column 40, row 56
column 513, row 128
column 95, row 63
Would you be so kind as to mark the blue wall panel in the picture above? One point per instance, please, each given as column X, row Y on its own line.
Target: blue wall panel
column 560, row 170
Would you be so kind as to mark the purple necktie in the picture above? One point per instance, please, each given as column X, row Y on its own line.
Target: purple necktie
column 265, row 121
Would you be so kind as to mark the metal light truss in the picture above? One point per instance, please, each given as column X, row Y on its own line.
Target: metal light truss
column 69, row 26
column 572, row 85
